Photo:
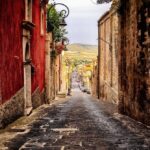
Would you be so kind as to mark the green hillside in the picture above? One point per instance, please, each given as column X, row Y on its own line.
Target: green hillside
column 81, row 52
column 83, row 47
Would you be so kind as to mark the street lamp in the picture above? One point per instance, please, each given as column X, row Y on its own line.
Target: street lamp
column 63, row 14
column 65, row 40
column 62, row 22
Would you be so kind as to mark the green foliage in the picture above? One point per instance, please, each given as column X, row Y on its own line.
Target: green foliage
column 80, row 55
column 54, row 18
column 77, row 62
column 59, row 33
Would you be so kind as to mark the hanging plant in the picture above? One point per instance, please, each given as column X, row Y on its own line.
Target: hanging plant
column 59, row 34
column 53, row 24
column 53, row 20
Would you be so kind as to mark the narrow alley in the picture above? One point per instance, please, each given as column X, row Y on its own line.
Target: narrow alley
column 81, row 123
column 75, row 75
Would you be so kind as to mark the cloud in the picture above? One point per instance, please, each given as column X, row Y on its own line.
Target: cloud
column 82, row 21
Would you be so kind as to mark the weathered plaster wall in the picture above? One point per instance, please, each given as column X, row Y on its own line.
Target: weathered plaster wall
column 11, row 66
column 53, row 78
column 108, row 57
column 134, row 64
column 95, row 82
column 38, row 48
column 36, row 98
column 47, row 67
column 58, row 75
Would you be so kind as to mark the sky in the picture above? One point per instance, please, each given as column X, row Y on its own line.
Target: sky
column 82, row 20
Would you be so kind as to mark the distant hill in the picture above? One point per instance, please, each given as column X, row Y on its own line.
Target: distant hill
column 81, row 52
column 83, row 48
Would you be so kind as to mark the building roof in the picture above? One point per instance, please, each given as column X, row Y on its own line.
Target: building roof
column 103, row 16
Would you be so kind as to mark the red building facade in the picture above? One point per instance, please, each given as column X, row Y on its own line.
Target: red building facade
column 38, row 46
column 11, row 67
column 22, row 51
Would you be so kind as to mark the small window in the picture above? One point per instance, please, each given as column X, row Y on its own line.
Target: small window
column 27, row 52
column 42, row 21
column 28, row 10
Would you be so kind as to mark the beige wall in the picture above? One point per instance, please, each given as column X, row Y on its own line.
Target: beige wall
column 94, row 82
column 108, row 57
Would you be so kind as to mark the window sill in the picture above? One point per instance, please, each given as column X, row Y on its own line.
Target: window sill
column 28, row 25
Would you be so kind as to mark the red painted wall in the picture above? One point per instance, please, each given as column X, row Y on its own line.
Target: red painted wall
column 11, row 66
column 38, row 48
column 12, row 13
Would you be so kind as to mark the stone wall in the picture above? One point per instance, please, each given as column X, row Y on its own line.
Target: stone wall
column 108, row 56
column 53, row 78
column 94, row 82
column 38, row 98
column 12, row 109
column 134, row 59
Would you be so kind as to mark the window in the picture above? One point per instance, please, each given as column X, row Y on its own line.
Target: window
column 27, row 52
column 28, row 10
column 42, row 21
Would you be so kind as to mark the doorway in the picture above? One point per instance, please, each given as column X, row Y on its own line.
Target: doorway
column 27, row 72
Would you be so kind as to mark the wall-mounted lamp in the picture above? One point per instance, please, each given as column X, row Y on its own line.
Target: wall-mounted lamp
column 63, row 14
column 65, row 41
column 62, row 22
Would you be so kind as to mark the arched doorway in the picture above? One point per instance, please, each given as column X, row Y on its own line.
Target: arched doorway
column 27, row 72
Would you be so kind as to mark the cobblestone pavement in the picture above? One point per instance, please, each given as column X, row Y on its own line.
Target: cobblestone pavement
column 81, row 123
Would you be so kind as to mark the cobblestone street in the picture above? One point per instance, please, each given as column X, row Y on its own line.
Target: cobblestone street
column 75, row 75
column 81, row 123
